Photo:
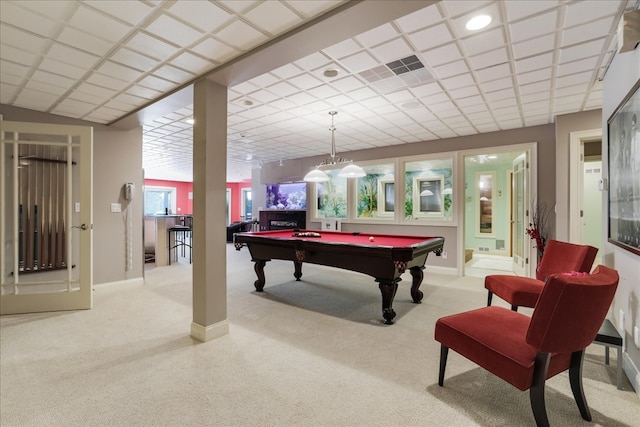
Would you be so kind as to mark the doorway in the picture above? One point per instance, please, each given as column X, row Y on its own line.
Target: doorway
column 585, row 175
column 497, row 194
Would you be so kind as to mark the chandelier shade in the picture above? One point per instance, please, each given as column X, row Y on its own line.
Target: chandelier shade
column 316, row 175
column 352, row 171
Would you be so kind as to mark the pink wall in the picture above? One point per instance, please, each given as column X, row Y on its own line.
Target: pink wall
column 185, row 205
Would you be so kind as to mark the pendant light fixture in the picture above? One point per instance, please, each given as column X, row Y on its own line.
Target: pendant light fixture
column 351, row 170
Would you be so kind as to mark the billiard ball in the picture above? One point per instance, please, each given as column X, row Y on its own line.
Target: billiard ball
column 371, row 239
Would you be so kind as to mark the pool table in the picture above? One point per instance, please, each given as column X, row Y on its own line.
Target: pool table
column 384, row 257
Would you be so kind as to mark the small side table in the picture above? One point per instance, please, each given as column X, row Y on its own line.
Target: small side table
column 608, row 336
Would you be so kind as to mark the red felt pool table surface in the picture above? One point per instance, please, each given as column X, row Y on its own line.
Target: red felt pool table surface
column 385, row 258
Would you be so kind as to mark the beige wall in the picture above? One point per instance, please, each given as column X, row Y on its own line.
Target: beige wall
column 564, row 126
column 117, row 158
column 623, row 73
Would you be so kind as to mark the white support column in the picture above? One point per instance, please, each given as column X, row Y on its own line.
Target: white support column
column 209, row 221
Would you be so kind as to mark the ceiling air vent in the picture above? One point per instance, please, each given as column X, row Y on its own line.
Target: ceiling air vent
column 396, row 75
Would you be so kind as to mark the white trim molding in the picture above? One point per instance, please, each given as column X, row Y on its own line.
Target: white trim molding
column 211, row 332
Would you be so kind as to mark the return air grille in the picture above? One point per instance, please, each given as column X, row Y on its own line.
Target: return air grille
column 396, row 75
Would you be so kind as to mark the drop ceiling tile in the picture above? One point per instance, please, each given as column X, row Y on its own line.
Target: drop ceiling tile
column 151, row 46
column 173, row 74
column 84, row 41
column 533, row 46
column 441, row 55
column 215, row 50
column 497, row 95
column 377, row 36
column 353, row 87
column 12, row 74
column 98, row 24
column 287, row 71
column 312, row 8
column 482, row 42
column 207, row 16
column 494, row 72
column 144, row 92
column 489, row 59
column 431, row 37
column 241, row 35
column 107, row 81
column 543, row 86
column 359, row 62
column 464, row 103
column 451, row 69
column 535, row 76
column 588, row 31
column 264, row 96
column 422, row 18
column 35, row 100
column 100, row 92
column 587, row 11
column 131, row 12
column 588, row 64
column 193, row 63
column 134, row 59
column 327, row 92
column 173, row 31
column 53, row 79
column 455, row 8
column 22, row 40
column 579, row 88
column 534, row 63
column 26, row 19
column 524, row 8
column 273, row 17
column 301, row 98
column 47, row 87
column 305, row 81
column 110, row 68
column 464, row 92
column 458, row 81
column 392, row 51
column 153, row 82
column 498, row 84
column 19, row 56
column 581, row 51
column 283, row 89
column 533, row 27
column 342, row 49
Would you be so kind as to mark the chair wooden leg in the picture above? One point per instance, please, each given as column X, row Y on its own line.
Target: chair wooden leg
column 489, row 297
column 575, row 378
column 444, row 351
column 536, row 392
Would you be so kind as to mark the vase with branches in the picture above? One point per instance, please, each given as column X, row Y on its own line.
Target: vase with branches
column 537, row 229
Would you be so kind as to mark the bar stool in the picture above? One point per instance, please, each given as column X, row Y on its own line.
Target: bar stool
column 180, row 237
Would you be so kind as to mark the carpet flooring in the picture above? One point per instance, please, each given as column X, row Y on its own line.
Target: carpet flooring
column 307, row 353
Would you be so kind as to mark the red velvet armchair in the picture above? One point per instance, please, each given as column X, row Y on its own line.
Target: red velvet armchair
column 525, row 351
column 559, row 257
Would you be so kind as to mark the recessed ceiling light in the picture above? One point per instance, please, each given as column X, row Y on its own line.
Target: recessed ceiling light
column 190, row 121
column 247, row 102
column 410, row 105
column 330, row 72
column 478, row 22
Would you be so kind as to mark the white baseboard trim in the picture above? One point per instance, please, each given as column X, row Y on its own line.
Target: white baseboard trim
column 441, row 270
column 134, row 281
column 211, row 332
column 632, row 372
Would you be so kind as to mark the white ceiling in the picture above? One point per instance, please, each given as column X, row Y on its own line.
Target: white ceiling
column 102, row 60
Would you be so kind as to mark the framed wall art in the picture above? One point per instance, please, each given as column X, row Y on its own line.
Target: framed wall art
column 624, row 173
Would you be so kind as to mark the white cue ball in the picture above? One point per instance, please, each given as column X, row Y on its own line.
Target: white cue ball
column 371, row 239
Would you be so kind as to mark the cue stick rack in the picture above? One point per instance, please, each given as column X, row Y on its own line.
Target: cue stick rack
column 42, row 222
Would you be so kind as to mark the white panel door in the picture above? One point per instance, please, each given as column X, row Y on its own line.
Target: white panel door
column 519, row 207
column 46, row 222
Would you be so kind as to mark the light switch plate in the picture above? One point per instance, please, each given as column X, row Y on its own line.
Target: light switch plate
column 77, row 207
column 116, row 207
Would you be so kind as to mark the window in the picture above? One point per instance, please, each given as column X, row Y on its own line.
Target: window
column 159, row 200
column 331, row 197
column 429, row 189
column 375, row 198
column 246, row 204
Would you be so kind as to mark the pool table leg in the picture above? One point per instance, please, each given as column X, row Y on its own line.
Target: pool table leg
column 259, row 269
column 298, row 270
column 417, row 275
column 388, row 289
